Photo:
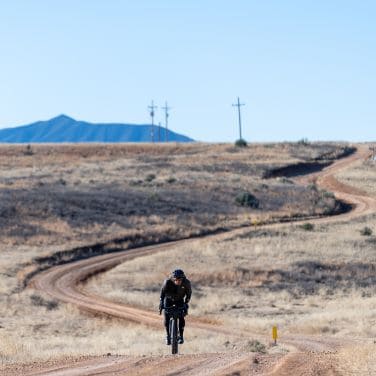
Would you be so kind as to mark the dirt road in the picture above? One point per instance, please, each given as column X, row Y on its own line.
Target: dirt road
column 310, row 356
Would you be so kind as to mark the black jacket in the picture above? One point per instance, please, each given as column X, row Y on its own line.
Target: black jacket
column 175, row 293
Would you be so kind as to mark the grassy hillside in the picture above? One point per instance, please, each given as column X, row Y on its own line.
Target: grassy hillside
column 58, row 198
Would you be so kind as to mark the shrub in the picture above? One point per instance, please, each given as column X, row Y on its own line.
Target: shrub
column 327, row 210
column 247, row 199
column 304, row 142
column 135, row 182
column 366, row 231
column 61, row 181
column 307, row 226
column 284, row 180
column 39, row 301
column 150, row 177
column 327, row 194
column 256, row 346
column 312, row 187
column 241, row 143
column 28, row 150
column 171, row 180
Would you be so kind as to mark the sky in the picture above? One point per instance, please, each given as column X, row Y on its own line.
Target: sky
column 304, row 69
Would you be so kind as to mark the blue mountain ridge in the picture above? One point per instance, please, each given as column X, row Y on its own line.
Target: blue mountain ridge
column 66, row 129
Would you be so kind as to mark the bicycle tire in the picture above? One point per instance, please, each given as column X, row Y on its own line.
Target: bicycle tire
column 174, row 336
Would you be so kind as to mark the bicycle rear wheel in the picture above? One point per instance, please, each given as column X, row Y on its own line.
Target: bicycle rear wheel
column 174, row 335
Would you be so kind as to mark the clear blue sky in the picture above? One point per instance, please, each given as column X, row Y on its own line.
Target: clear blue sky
column 303, row 68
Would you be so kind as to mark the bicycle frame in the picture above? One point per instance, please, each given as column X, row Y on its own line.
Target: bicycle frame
column 175, row 313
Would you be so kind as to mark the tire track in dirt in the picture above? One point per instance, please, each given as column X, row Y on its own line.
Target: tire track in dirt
column 188, row 365
column 65, row 284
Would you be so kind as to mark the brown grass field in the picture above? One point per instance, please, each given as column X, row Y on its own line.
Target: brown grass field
column 318, row 280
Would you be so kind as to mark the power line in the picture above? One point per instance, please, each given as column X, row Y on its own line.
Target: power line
column 238, row 104
column 166, row 108
column 152, row 113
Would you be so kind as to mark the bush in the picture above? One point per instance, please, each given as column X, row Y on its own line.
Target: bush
column 61, row 181
column 241, row 143
column 135, row 182
column 28, row 150
column 150, row 177
column 256, row 346
column 39, row 301
column 284, row 180
column 171, row 180
column 247, row 199
column 304, row 142
column 312, row 187
column 366, row 231
column 327, row 194
column 307, row 226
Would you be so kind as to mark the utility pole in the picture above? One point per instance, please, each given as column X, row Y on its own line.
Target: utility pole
column 152, row 108
column 166, row 108
column 159, row 132
column 373, row 156
column 240, row 119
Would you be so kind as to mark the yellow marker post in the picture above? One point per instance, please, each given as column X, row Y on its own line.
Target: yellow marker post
column 275, row 334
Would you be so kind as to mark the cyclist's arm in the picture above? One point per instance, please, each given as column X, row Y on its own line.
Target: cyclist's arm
column 163, row 291
column 188, row 292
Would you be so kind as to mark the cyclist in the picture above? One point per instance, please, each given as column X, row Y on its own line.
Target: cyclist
column 175, row 290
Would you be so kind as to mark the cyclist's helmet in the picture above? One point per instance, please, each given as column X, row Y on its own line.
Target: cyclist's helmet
column 178, row 274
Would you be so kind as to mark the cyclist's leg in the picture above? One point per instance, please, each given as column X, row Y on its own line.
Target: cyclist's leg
column 167, row 322
column 181, row 329
column 181, row 324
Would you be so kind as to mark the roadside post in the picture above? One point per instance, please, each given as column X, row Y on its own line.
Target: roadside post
column 275, row 335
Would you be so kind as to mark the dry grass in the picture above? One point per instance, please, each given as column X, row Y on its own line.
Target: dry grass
column 314, row 282
column 310, row 282
column 344, row 306
column 60, row 197
column 35, row 333
column 362, row 176
column 70, row 194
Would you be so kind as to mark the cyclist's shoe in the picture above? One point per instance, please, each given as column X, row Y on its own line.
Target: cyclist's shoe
column 168, row 340
column 181, row 340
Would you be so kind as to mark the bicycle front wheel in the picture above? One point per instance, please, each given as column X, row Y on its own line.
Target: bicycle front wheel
column 174, row 336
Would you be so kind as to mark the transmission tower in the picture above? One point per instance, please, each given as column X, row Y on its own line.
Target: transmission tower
column 238, row 105
column 152, row 113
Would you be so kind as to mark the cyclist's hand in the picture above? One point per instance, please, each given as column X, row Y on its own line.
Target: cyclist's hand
column 186, row 306
column 160, row 307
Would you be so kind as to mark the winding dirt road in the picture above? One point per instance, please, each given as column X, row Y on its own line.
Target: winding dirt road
column 310, row 356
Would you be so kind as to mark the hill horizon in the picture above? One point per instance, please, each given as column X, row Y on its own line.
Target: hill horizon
column 64, row 128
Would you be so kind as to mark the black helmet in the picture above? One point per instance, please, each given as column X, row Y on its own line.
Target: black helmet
column 178, row 274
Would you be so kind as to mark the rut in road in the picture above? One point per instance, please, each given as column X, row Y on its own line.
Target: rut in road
column 65, row 284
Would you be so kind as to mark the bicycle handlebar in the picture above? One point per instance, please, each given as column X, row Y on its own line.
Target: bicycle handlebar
column 174, row 309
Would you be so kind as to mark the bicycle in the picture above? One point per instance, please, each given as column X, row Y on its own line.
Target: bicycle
column 175, row 314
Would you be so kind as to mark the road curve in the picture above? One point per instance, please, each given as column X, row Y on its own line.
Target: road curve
column 64, row 283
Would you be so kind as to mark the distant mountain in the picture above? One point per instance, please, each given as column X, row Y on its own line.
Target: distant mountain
column 65, row 129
